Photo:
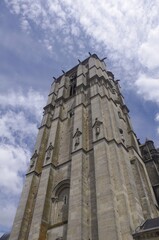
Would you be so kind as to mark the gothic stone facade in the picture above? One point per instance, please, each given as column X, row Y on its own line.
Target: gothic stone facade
column 151, row 159
column 86, row 179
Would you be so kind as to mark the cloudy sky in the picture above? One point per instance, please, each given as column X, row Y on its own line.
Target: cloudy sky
column 39, row 38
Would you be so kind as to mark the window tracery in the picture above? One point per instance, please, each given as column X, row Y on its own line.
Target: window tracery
column 60, row 202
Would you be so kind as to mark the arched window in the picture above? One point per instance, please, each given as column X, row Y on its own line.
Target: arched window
column 73, row 85
column 65, row 199
column 60, row 202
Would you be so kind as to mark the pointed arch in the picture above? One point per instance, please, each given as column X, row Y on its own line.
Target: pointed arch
column 60, row 202
column 59, row 187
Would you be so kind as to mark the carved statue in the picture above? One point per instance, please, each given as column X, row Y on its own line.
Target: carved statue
column 77, row 137
column 33, row 158
column 48, row 151
column 97, row 126
column 122, row 135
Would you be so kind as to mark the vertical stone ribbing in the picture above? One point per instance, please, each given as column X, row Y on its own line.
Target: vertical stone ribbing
column 76, row 224
column 87, row 164
column 22, row 222
column 40, row 220
column 77, row 221
column 24, row 213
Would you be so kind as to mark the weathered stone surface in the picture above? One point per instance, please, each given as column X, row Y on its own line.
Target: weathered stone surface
column 92, row 185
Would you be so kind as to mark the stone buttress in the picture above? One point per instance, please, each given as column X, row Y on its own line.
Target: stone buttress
column 86, row 179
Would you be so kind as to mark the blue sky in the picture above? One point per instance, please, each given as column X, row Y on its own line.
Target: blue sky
column 40, row 38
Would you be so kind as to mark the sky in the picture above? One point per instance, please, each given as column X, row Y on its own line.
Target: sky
column 40, row 38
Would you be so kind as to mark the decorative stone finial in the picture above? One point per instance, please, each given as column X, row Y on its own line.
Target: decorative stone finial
column 103, row 59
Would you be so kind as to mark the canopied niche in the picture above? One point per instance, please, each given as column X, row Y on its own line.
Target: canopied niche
column 73, row 85
column 60, row 203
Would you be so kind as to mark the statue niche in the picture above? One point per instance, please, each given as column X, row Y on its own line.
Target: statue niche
column 73, row 85
column 33, row 159
column 77, row 137
column 97, row 126
column 49, row 151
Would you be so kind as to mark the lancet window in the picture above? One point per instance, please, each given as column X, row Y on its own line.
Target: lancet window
column 73, row 85
column 60, row 201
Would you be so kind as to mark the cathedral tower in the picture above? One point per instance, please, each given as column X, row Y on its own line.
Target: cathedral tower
column 151, row 159
column 86, row 179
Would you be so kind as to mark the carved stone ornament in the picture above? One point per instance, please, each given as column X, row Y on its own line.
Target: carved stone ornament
column 71, row 112
column 59, row 238
column 33, row 158
column 122, row 135
column 119, row 114
column 113, row 90
column 48, row 151
column 55, row 199
column 96, row 125
column 77, row 137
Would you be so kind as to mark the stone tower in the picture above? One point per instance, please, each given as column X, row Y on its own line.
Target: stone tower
column 151, row 159
column 86, row 179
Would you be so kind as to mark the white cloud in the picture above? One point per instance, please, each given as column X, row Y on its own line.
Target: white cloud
column 1, row 233
column 13, row 166
column 128, row 28
column 148, row 51
column 14, row 161
column 20, row 113
column 157, row 117
column 126, row 31
column 16, row 128
column 157, row 120
column 25, row 25
column 7, row 215
column 31, row 101
column 48, row 45
column 148, row 87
